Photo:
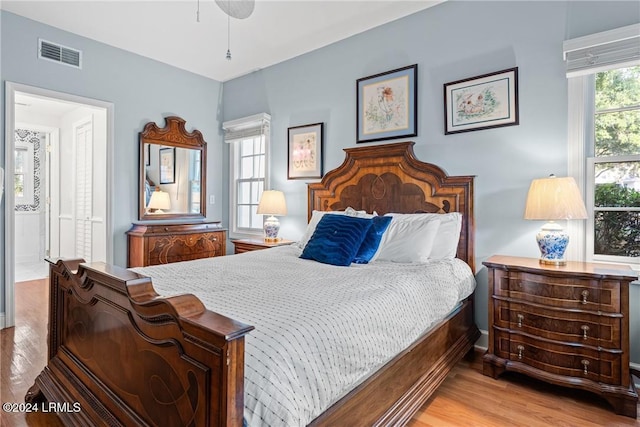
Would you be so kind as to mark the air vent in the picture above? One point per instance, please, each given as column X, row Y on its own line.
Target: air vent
column 58, row 53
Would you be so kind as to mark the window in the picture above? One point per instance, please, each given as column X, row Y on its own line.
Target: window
column 249, row 160
column 613, row 173
column 604, row 142
column 23, row 174
column 194, row 181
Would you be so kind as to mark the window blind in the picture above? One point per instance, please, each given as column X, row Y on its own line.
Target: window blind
column 602, row 51
column 246, row 127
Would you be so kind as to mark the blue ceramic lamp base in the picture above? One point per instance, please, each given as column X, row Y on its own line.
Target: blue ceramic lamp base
column 271, row 229
column 552, row 241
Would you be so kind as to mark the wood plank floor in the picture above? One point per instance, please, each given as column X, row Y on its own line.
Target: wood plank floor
column 466, row 398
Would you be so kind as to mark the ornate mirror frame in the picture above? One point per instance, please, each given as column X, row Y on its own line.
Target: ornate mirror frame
column 172, row 135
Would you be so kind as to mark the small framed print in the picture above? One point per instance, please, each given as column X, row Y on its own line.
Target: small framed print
column 167, row 165
column 305, row 151
column 147, row 154
column 482, row 102
column 387, row 105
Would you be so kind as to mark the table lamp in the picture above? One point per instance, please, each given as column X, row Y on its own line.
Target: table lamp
column 551, row 199
column 272, row 203
column 159, row 200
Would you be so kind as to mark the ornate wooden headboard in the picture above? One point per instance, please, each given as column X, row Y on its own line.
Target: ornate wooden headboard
column 389, row 178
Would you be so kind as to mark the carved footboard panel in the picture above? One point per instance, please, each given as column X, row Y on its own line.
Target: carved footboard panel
column 129, row 357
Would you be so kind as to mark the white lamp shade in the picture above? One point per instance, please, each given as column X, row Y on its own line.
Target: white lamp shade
column 554, row 198
column 272, row 202
column 159, row 200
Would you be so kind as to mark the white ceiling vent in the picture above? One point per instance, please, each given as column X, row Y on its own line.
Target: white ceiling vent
column 58, row 53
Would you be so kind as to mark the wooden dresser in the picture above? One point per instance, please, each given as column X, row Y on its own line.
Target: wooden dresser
column 152, row 244
column 566, row 325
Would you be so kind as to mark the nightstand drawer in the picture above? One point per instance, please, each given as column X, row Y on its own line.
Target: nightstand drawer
column 568, row 326
column 565, row 292
column 560, row 359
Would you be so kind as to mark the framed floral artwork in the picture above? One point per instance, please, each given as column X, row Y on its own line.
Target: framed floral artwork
column 305, row 151
column 482, row 102
column 387, row 105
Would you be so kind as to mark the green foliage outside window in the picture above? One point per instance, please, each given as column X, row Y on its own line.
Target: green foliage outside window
column 617, row 232
column 617, row 133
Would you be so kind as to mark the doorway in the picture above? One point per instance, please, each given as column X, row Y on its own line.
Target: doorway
column 60, row 147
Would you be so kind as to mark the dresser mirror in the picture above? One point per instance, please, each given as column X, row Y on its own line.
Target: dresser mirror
column 172, row 172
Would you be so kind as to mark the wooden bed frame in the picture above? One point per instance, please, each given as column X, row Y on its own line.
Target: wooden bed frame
column 131, row 357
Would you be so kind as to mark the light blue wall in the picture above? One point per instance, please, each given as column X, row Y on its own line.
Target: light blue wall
column 141, row 89
column 452, row 41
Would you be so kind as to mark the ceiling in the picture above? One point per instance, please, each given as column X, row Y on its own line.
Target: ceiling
column 167, row 30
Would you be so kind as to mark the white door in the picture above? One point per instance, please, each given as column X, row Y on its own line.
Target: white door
column 83, row 191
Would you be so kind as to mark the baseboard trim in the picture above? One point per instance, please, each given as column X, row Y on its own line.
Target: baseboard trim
column 483, row 342
column 1, row 320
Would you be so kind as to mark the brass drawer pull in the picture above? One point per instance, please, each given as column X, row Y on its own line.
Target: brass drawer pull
column 585, row 329
column 584, row 294
column 520, row 350
column 585, row 363
column 520, row 319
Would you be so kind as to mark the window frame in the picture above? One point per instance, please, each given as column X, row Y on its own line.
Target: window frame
column 581, row 128
column 236, row 132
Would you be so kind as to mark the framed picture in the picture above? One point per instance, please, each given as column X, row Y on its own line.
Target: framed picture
column 482, row 102
column 305, row 151
column 387, row 105
column 147, row 154
column 167, row 165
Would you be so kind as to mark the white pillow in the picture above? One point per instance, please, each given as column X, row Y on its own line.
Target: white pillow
column 316, row 216
column 445, row 245
column 407, row 241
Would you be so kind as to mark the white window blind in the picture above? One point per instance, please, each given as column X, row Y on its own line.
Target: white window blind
column 247, row 127
column 590, row 54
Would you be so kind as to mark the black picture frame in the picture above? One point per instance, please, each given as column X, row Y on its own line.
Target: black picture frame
column 482, row 102
column 387, row 105
column 167, row 165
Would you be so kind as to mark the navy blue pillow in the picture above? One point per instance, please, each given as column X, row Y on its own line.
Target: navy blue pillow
column 371, row 241
column 336, row 239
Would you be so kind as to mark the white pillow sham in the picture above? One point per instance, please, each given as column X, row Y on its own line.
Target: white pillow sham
column 407, row 241
column 316, row 216
column 445, row 245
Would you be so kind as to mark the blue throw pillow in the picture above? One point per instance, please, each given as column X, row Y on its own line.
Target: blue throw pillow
column 336, row 239
column 371, row 241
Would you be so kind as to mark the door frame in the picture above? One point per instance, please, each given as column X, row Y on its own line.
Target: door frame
column 9, row 201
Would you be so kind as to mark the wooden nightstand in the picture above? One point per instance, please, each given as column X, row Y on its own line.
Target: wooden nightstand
column 247, row 245
column 566, row 325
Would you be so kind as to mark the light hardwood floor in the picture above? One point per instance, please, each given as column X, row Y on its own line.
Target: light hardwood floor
column 466, row 398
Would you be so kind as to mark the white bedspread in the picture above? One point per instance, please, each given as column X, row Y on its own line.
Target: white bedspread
column 320, row 329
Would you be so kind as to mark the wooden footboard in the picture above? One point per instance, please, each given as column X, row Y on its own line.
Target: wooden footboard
column 121, row 355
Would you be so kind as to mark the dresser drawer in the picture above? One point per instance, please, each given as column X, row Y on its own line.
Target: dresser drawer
column 575, row 327
column 565, row 292
column 561, row 359
column 167, row 249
